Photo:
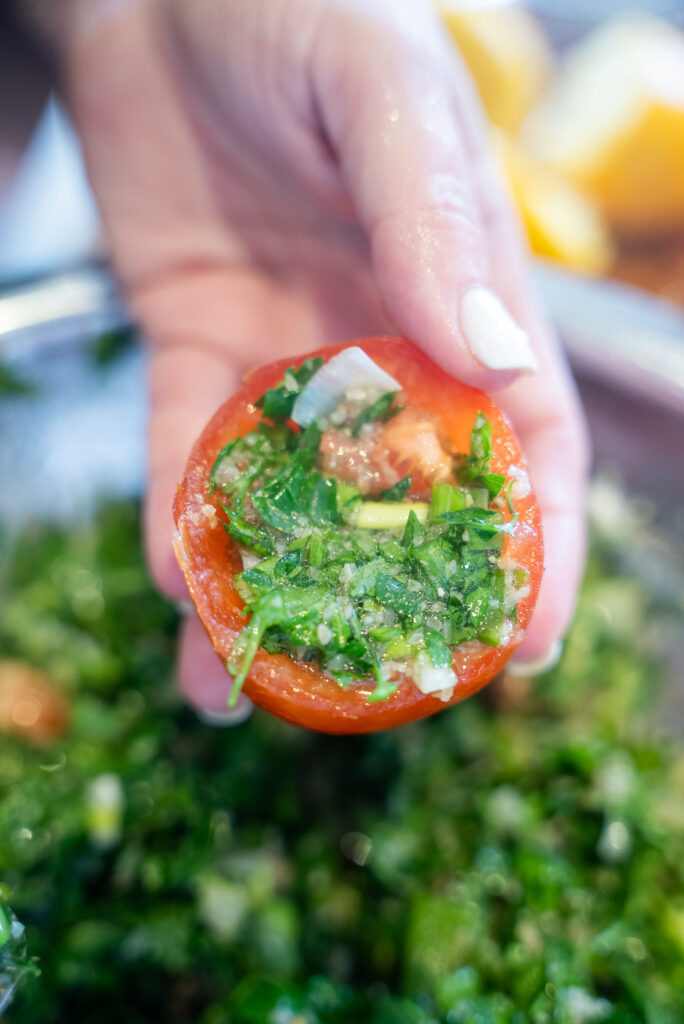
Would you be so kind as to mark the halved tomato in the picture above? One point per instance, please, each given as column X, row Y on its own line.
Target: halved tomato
column 302, row 693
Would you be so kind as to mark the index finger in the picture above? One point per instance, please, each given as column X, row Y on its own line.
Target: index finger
column 545, row 409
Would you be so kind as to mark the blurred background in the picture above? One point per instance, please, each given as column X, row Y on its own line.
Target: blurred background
column 585, row 101
column 517, row 860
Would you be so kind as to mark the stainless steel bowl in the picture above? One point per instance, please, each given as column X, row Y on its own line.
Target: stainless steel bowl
column 76, row 432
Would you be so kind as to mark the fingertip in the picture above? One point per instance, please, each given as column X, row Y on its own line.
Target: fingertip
column 239, row 713
column 187, row 384
column 564, row 552
column 163, row 565
column 453, row 314
column 202, row 677
column 529, row 667
column 454, row 356
column 496, row 341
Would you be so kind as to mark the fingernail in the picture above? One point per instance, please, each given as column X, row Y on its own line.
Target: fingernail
column 536, row 666
column 230, row 716
column 185, row 607
column 495, row 339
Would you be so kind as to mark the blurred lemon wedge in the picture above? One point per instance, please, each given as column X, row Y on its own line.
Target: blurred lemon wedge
column 561, row 224
column 507, row 54
column 613, row 122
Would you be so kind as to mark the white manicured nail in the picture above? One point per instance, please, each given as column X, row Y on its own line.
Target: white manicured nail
column 231, row 716
column 536, row 666
column 495, row 339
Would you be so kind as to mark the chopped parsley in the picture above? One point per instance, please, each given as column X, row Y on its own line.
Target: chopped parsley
column 382, row 409
column 398, row 491
column 474, row 468
column 277, row 403
column 360, row 587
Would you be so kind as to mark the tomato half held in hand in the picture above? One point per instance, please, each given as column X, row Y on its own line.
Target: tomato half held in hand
column 359, row 537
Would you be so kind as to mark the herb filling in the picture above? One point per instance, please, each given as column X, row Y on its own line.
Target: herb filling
column 363, row 588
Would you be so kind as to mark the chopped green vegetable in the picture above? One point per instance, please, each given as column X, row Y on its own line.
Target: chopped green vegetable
column 384, row 515
column 15, row 965
column 493, row 482
column 446, row 498
column 438, row 649
column 5, row 929
column 383, row 409
column 277, row 403
column 249, row 536
column 474, row 468
column 515, row 861
column 477, row 461
column 398, row 492
column 298, row 607
column 222, row 458
column 394, row 562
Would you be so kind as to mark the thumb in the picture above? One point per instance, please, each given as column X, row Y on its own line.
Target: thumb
column 392, row 106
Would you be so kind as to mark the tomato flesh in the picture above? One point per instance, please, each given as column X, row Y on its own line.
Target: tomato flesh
column 209, row 558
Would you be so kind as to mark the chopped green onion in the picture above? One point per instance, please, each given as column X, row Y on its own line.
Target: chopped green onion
column 5, row 928
column 446, row 498
column 384, row 515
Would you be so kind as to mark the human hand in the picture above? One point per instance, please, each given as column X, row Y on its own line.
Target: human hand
column 277, row 176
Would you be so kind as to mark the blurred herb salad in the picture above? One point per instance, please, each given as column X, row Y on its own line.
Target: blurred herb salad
column 15, row 965
column 511, row 862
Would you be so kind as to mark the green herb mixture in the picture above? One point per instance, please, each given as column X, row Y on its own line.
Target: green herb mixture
column 518, row 859
column 366, row 589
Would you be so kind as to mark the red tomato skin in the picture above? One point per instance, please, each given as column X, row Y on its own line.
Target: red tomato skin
column 301, row 693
